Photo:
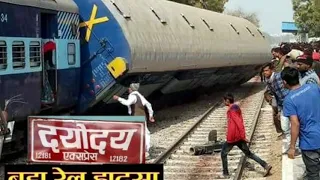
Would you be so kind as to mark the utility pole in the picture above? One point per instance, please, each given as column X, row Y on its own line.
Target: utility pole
column 204, row 4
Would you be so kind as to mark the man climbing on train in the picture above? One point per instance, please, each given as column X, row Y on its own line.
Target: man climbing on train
column 236, row 136
column 138, row 106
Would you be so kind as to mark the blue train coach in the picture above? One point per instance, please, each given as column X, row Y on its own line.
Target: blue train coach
column 39, row 60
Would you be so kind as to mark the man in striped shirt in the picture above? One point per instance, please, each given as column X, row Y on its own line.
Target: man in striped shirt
column 276, row 87
column 274, row 83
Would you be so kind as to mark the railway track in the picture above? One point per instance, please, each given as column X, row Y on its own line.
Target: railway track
column 262, row 144
column 179, row 119
column 180, row 164
column 167, row 132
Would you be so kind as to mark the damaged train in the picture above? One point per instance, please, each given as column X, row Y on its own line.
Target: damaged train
column 58, row 55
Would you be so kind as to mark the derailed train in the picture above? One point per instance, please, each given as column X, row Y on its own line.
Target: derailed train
column 73, row 54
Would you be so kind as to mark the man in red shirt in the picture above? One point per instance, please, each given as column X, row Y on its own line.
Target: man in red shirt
column 316, row 56
column 236, row 136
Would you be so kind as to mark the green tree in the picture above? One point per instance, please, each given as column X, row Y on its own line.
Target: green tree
column 213, row 5
column 307, row 16
column 252, row 17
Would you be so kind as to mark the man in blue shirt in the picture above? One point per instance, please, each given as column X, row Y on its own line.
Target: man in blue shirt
column 302, row 106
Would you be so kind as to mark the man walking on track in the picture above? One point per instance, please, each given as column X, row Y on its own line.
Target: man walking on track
column 236, row 136
column 138, row 106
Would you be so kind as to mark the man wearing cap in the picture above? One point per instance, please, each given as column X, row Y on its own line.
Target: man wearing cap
column 284, row 55
column 138, row 106
column 307, row 74
column 294, row 53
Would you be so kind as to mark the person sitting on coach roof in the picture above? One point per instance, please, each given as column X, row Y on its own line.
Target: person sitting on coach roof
column 307, row 74
column 138, row 106
column 236, row 136
column 302, row 106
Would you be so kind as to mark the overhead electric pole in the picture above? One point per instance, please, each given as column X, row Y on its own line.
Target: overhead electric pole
column 204, row 4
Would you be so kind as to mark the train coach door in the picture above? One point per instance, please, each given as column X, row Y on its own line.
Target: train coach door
column 49, row 73
column 49, row 70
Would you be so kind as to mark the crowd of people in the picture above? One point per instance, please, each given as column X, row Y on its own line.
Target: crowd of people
column 293, row 92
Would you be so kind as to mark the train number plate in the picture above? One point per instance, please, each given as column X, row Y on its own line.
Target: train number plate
column 81, row 141
column 3, row 17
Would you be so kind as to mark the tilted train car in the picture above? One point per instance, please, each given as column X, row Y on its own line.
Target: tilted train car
column 39, row 60
column 166, row 46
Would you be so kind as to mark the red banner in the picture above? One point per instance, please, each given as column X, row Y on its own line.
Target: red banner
column 80, row 141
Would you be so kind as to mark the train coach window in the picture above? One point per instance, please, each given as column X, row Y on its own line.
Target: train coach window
column 205, row 22
column 184, row 17
column 35, row 57
column 249, row 31
column 260, row 33
column 234, row 29
column 3, row 55
column 18, row 55
column 161, row 20
column 120, row 11
column 71, row 53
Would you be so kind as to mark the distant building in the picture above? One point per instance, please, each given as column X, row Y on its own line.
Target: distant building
column 290, row 27
column 314, row 39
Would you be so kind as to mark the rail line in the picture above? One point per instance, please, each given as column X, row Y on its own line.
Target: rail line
column 168, row 135
column 262, row 144
column 180, row 164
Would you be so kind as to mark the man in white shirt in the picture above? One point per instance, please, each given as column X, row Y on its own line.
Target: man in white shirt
column 138, row 106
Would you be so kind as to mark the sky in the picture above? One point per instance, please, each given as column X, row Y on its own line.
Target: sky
column 270, row 12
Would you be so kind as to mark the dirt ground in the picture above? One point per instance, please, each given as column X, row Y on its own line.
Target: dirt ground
column 276, row 161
